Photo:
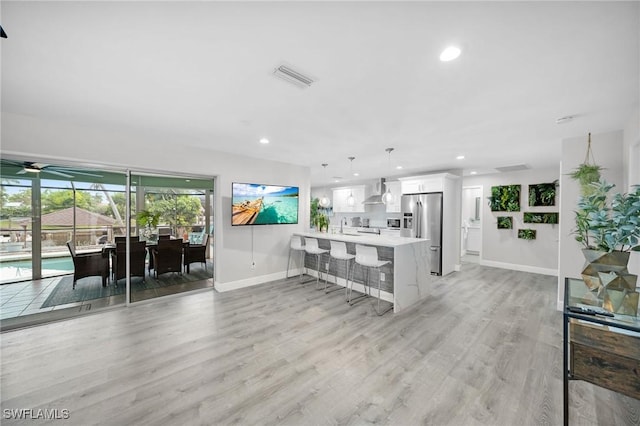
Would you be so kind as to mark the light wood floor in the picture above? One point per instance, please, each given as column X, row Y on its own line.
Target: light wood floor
column 484, row 349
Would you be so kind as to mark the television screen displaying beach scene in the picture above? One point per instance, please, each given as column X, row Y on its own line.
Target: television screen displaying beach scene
column 260, row 204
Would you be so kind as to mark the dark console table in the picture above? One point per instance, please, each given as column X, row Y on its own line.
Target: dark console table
column 600, row 349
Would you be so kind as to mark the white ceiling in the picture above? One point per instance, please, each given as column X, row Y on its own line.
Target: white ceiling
column 202, row 71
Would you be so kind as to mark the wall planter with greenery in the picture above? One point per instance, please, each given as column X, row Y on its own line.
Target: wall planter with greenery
column 543, row 194
column 527, row 234
column 505, row 222
column 531, row 217
column 608, row 228
column 505, row 198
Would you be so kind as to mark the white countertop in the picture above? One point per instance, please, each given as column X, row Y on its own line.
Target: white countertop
column 360, row 238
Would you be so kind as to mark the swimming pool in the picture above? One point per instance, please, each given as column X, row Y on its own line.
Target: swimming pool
column 17, row 270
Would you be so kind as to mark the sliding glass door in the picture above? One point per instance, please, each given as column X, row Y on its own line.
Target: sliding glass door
column 173, row 217
column 54, row 215
column 16, row 229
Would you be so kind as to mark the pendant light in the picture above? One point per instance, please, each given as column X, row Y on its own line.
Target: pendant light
column 325, row 201
column 351, row 201
column 387, row 197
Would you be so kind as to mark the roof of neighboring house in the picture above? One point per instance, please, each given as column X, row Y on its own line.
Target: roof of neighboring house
column 83, row 218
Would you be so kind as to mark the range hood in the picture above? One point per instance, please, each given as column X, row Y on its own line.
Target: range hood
column 376, row 196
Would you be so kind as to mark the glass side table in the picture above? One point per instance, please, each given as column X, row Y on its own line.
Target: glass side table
column 603, row 350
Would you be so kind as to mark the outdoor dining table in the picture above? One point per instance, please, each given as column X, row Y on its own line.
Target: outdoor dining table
column 110, row 250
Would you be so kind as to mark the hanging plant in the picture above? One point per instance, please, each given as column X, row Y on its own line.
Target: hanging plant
column 587, row 172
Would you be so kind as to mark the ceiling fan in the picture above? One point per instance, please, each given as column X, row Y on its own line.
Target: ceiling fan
column 66, row 172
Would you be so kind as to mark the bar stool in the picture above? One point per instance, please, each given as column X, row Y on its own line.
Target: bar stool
column 339, row 252
column 311, row 247
column 296, row 245
column 367, row 257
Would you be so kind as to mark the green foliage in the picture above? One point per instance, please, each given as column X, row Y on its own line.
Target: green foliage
column 527, row 234
column 147, row 218
column 20, row 204
column 543, row 194
column 586, row 175
column 550, row 218
column 315, row 204
column 607, row 226
column 505, row 222
column 120, row 203
column 322, row 222
column 319, row 219
column 505, row 198
column 175, row 210
column 59, row 199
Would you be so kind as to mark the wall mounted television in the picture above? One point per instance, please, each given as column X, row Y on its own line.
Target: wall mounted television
column 261, row 204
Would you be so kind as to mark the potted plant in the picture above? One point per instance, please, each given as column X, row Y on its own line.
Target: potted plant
column 319, row 220
column 147, row 223
column 588, row 172
column 608, row 228
column 323, row 223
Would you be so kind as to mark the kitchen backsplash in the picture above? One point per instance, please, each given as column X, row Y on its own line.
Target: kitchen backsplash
column 376, row 213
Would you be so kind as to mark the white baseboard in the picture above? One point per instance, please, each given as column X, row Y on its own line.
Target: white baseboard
column 248, row 282
column 235, row 285
column 522, row 268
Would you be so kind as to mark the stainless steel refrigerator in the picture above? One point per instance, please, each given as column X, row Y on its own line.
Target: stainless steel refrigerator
column 422, row 218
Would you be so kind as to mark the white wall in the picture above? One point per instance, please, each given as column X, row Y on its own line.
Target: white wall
column 631, row 159
column 502, row 248
column 631, row 149
column 608, row 153
column 169, row 154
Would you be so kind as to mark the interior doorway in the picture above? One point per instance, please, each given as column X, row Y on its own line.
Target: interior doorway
column 471, row 226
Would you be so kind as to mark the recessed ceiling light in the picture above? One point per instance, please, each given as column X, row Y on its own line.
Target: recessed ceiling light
column 449, row 54
column 264, row 141
column 460, row 157
column 474, row 173
column 356, row 174
column 399, row 167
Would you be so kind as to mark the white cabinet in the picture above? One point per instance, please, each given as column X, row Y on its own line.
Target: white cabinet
column 420, row 184
column 394, row 205
column 473, row 240
column 340, row 196
column 390, row 232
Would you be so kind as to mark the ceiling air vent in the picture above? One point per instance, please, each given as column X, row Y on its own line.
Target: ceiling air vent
column 514, row 168
column 292, row 76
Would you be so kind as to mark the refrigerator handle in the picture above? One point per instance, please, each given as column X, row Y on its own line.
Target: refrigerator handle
column 419, row 221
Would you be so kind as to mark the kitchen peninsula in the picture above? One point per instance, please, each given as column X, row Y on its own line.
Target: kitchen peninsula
column 406, row 279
